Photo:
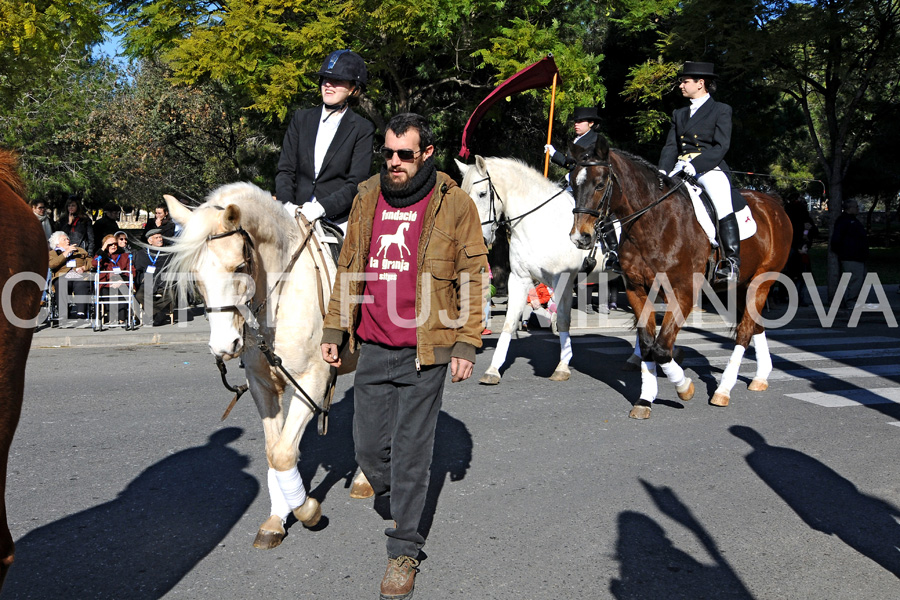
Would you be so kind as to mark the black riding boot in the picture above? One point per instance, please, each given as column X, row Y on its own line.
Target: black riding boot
column 610, row 247
column 729, row 268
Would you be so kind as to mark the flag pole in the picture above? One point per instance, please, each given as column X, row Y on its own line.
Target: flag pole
column 550, row 126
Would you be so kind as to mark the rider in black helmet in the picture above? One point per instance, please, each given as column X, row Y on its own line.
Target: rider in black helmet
column 327, row 150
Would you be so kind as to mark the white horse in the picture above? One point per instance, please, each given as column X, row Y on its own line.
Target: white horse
column 241, row 249
column 540, row 215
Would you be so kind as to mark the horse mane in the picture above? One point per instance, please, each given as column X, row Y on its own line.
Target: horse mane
column 649, row 171
column 9, row 172
column 531, row 177
column 262, row 217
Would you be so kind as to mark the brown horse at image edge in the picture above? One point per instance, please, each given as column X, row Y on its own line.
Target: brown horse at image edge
column 23, row 263
column 660, row 235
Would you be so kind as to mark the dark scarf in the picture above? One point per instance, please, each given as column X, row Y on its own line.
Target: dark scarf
column 417, row 188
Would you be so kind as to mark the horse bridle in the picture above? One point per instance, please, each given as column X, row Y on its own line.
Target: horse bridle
column 494, row 218
column 247, row 250
column 603, row 214
column 273, row 359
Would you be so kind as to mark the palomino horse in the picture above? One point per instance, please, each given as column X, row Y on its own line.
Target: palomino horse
column 23, row 260
column 539, row 215
column 661, row 235
column 263, row 280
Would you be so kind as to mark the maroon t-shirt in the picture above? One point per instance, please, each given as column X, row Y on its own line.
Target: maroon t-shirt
column 391, row 273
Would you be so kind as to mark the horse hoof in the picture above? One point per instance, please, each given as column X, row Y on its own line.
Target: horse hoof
column 641, row 410
column 270, row 534
column 559, row 376
column 309, row 512
column 719, row 399
column 361, row 490
column 489, row 379
column 758, row 385
column 687, row 394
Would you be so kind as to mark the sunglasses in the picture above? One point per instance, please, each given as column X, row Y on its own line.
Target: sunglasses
column 405, row 154
column 112, row 246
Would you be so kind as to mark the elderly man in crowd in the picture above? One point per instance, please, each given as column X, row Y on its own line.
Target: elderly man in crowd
column 70, row 266
column 148, row 262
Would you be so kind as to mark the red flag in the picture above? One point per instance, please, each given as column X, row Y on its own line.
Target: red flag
column 538, row 75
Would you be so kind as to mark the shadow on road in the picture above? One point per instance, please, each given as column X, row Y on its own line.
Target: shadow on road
column 334, row 452
column 826, row 501
column 141, row 544
column 652, row 568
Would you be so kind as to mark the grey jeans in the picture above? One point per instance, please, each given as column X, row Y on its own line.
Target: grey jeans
column 857, row 272
column 395, row 415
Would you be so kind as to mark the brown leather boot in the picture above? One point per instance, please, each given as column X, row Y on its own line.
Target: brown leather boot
column 399, row 579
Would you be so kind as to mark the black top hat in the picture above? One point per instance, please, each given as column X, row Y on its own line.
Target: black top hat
column 585, row 113
column 699, row 70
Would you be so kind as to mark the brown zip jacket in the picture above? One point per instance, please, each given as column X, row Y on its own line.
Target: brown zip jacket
column 452, row 267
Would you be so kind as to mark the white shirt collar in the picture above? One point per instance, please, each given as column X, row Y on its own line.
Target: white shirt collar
column 698, row 102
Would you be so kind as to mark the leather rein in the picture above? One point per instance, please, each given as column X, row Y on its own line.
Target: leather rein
column 495, row 219
column 603, row 213
column 251, row 319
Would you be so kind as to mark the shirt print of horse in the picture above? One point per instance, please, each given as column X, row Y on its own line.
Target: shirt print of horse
column 388, row 240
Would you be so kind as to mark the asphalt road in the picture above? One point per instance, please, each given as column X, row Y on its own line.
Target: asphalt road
column 124, row 484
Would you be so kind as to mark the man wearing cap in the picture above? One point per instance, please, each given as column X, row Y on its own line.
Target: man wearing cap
column 585, row 117
column 148, row 262
column 327, row 150
column 699, row 137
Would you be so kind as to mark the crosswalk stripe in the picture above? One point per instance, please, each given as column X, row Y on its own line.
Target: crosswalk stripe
column 802, row 357
column 687, row 336
column 773, row 344
column 853, row 397
column 842, row 373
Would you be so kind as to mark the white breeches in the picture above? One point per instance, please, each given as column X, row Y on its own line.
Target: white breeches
column 718, row 189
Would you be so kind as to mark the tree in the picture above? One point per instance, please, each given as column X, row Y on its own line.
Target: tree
column 185, row 139
column 437, row 57
column 36, row 35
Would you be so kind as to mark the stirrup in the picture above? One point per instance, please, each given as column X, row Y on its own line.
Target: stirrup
column 611, row 262
column 726, row 271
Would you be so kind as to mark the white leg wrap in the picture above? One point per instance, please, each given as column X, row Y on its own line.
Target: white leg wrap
column 501, row 350
column 649, row 387
column 763, row 358
column 729, row 377
column 565, row 347
column 675, row 374
column 279, row 504
column 292, row 487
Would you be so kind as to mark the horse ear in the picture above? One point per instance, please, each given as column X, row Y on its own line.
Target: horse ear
column 231, row 217
column 601, row 148
column 463, row 167
column 178, row 211
column 481, row 165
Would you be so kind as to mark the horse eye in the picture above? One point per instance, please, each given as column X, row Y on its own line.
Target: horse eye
column 241, row 268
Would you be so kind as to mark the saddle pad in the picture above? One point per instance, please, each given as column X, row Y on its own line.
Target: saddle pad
column 746, row 223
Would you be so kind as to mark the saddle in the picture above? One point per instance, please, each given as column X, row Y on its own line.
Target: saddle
column 331, row 230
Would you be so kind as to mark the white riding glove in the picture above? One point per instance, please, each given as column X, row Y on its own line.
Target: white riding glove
column 683, row 165
column 549, row 148
column 291, row 209
column 312, row 211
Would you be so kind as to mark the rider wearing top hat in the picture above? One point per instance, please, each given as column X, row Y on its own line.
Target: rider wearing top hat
column 699, row 137
column 585, row 117
column 327, row 150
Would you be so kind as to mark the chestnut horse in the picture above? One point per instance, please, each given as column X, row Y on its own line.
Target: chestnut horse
column 23, row 271
column 661, row 236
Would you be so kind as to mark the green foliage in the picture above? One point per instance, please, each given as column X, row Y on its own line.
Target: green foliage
column 34, row 35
